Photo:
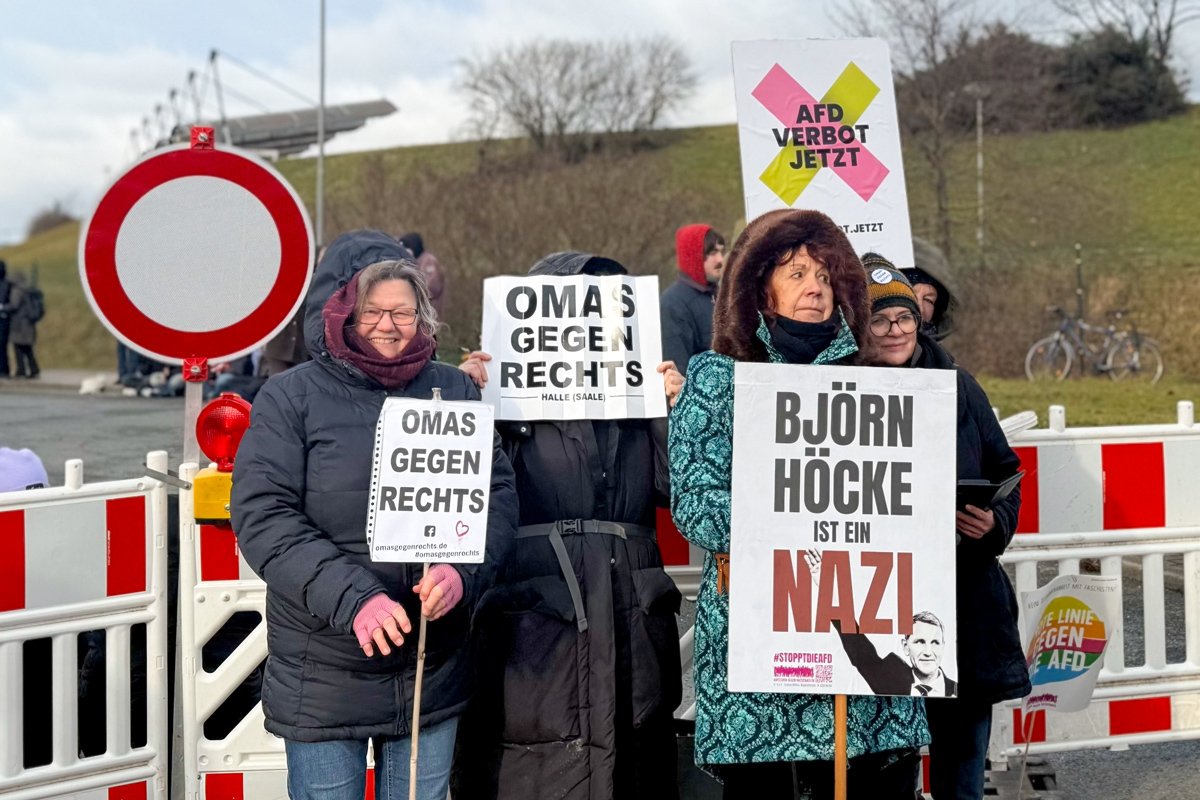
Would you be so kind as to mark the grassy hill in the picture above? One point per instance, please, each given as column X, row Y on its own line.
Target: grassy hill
column 1128, row 196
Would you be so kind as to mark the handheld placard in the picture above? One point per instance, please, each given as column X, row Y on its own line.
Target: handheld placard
column 430, row 483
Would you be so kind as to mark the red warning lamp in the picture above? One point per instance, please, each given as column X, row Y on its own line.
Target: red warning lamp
column 220, row 427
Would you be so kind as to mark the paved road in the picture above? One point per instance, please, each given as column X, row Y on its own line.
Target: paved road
column 113, row 434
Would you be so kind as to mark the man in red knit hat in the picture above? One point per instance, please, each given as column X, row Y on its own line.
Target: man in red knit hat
column 687, row 306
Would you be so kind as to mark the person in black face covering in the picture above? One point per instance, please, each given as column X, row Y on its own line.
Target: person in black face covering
column 577, row 649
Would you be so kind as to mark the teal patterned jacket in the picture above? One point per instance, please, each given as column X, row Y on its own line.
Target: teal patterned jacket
column 750, row 727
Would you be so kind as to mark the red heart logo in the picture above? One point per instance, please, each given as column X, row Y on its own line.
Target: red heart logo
column 461, row 528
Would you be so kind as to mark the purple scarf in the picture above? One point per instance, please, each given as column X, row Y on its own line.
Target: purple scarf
column 345, row 343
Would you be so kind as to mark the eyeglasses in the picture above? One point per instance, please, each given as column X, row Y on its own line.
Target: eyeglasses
column 400, row 316
column 882, row 326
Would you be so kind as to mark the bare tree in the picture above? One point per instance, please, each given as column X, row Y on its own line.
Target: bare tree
column 925, row 35
column 1156, row 20
column 560, row 94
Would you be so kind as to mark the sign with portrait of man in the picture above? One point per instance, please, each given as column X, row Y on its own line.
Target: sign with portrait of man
column 842, row 544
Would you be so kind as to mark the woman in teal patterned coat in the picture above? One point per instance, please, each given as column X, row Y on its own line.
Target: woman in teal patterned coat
column 794, row 292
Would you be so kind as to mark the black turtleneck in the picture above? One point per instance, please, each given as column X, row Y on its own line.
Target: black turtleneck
column 801, row 342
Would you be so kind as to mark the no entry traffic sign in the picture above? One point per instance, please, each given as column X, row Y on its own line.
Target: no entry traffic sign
column 196, row 253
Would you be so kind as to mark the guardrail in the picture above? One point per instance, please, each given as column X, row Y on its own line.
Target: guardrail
column 84, row 560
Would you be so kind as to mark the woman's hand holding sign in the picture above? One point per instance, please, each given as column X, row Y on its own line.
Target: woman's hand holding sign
column 440, row 591
column 672, row 381
column 975, row 522
column 474, row 364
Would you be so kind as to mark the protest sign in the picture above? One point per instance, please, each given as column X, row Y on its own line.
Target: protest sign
column 842, row 533
column 430, row 481
column 579, row 347
column 1068, row 624
column 817, row 128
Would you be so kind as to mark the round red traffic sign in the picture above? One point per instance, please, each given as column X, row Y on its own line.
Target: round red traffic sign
column 197, row 254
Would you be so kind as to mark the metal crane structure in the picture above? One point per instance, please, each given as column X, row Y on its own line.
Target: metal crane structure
column 271, row 134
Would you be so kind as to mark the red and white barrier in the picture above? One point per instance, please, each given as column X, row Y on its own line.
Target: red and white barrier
column 1126, row 497
column 82, row 558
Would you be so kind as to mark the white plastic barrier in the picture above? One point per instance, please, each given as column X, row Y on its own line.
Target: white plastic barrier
column 75, row 559
column 1127, row 497
column 214, row 584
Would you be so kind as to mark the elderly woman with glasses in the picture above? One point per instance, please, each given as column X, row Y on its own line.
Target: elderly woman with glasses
column 341, row 661
column 990, row 661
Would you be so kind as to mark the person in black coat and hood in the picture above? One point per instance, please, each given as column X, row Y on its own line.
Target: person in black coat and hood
column 579, row 670
column 341, row 664
column 991, row 662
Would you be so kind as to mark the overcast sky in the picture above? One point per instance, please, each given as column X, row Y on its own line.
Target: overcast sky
column 77, row 77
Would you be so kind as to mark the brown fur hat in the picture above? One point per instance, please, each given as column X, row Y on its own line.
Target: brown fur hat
column 766, row 242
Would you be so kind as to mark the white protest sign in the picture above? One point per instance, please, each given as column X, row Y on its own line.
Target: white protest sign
column 842, row 520
column 431, row 481
column 817, row 128
column 578, row 347
column 1068, row 624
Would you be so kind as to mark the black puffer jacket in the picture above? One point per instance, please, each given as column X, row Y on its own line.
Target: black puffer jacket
column 991, row 662
column 299, row 507
column 563, row 712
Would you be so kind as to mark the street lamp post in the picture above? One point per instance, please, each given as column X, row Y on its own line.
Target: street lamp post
column 978, row 91
column 320, row 232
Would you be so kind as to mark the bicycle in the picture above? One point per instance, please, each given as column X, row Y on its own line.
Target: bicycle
column 1120, row 355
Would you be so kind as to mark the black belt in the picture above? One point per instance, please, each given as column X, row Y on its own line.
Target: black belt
column 569, row 527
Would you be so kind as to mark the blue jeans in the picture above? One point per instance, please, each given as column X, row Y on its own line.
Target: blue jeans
column 959, row 730
column 338, row 770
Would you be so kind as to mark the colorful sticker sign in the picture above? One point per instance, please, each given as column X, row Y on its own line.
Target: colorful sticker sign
column 818, row 129
column 1069, row 623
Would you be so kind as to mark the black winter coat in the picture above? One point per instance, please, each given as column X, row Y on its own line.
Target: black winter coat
column 991, row 661
column 562, row 712
column 687, row 320
column 299, row 507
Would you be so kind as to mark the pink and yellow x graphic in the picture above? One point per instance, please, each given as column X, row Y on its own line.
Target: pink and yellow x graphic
column 783, row 96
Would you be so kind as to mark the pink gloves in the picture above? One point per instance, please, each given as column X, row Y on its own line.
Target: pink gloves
column 449, row 581
column 381, row 618
column 374, row 615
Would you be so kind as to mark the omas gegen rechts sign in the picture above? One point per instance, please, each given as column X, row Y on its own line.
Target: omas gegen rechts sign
column 842, row 530
column 579, row 347
column 430, row 481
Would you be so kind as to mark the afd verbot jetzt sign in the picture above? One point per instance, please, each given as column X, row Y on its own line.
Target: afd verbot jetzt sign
column 843, row 531
column 431, row 481
column 579, row 347
column 818, row 129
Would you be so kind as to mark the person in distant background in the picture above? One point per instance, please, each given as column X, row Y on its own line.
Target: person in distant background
column 687, row 306
column 931, row 280
column 435, row 276
column 28, row 306
column 5, row 311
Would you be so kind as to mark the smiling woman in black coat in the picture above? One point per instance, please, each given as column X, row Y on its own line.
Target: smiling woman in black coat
column 341, row 664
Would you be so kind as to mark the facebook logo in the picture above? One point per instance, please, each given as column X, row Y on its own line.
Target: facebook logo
column 431, row 530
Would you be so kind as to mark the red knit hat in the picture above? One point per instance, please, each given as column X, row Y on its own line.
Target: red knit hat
column 689, row 251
